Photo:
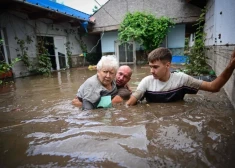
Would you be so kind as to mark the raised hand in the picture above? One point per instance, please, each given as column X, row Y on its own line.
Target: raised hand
column 232, row 60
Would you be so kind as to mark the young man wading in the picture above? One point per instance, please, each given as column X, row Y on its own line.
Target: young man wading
column 164, row 86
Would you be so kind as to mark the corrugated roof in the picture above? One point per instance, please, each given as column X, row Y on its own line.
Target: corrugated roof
column 59, row 8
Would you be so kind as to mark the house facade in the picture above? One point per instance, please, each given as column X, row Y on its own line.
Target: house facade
column 220, row 39
column 25, row 25
column 219, row 25
column 111, row 14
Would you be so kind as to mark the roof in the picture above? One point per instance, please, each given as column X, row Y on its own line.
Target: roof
column 36, row 9
column 110, row 16
column 59, row 8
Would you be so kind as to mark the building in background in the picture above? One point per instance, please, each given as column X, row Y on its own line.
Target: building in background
column 220, row 39
column 112, row 13
column 25, row 25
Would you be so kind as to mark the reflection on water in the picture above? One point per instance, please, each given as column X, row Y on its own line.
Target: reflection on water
column 40, row 128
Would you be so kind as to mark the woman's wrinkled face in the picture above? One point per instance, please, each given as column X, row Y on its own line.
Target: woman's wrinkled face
column 106, row 75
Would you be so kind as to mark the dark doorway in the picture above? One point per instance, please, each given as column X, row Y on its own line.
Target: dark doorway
column 2, row 53
column 48, row 43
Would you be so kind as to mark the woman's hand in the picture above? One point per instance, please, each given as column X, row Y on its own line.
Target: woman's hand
column 76, row 102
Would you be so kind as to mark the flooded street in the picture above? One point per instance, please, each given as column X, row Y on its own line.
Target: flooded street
column 39, row 127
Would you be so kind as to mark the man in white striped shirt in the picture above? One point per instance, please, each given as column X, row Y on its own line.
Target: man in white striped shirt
column 164, row 86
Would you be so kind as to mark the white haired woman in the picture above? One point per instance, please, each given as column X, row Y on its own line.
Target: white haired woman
column 98, row 90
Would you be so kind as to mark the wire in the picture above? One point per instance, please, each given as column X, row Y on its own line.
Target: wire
column 97, row 41
column 97, row 3
column 107, row 12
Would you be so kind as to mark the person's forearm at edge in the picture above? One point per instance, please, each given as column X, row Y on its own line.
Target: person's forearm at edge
column 117, row 99
column 219, row 82
column 132, row 101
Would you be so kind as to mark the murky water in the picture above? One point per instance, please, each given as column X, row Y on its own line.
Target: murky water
column 40, row 128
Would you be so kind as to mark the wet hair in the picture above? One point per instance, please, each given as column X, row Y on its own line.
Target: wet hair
column 108, row 61
column 160, row 54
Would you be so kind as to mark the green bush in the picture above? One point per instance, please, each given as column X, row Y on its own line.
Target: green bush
column 145, row 29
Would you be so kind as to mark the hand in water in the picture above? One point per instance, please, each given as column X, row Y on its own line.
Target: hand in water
column 76, row 102
column 117, row 99
column 127, row 106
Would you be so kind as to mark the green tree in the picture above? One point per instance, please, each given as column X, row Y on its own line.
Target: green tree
column 145, row 29
column 44, row 63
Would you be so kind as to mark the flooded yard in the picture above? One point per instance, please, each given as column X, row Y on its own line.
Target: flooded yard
column 39, row 127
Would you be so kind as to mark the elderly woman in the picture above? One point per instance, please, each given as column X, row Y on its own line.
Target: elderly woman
column 98, row 90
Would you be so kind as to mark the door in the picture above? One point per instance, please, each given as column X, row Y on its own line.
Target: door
column 48, row 43
column 60, row 52
column 125, row 52
column 3, row 49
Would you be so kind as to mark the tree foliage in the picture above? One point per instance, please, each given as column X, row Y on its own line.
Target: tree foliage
column 145, row 29
column 44, row 63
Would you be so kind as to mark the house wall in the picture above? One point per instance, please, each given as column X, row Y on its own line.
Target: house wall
column 176, row 39
column 110, row 15
column 107, row 41
column 220, row 20
column 18, row 25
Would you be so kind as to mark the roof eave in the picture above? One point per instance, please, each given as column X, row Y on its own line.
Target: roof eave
column 55, row 11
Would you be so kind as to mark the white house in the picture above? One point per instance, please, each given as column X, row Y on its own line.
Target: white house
column 25, row 24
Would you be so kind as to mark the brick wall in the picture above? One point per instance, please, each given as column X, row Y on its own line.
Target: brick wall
column 78, row 61
column 219, row 57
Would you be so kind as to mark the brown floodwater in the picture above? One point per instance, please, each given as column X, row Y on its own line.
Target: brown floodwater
column 39, row 127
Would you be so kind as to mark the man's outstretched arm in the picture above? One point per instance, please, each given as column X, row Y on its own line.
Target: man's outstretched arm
column 137, row 95
column 132, row 101
column 219, row 82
